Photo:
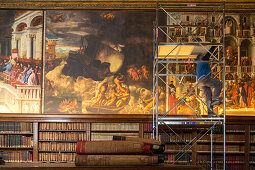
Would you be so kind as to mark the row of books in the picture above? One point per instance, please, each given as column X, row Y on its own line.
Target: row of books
column 252, row 127
column 252, row 148
column 57, row 157
column 16, row 127
column 147, row 135
column 207, row 137
column 147, row 127
column 234, row 166
column 219, row 137
column 17, row 156
column 16, row 141
column 56, row 146
column 109, row 136
column 63, row 126
column 171, row 137
column 114, row 126
column 228, row 166
column 252, row 157
column 219, row 158
column 252, row 138
column 229, row 148
column 234, row 128
column 68, row 136
column 177, row 147
column 180, row 158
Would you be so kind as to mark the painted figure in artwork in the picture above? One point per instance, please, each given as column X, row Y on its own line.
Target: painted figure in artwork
column 234, row 93
column 14, row 71
column 123, row 92
column 149, row 102
column 12, row 61
column 9, row 65
column 172, row 101
column 242, row 95
column 206, row 83
column 27, row 73
column 32, row 78
column 112, row 98
column 100, row 98
column 3, row 65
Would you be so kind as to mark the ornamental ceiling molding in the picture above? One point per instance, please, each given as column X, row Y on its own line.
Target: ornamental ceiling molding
column 180, row 5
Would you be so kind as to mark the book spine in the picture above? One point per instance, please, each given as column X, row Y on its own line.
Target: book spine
column 150, row 141
column 115, row 160
column 112, row 147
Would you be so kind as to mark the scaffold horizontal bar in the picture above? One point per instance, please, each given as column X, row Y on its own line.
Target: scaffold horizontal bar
column 189, row 118
column 187, row 61
column 177, row 74
column 190, row 124
column 211, row 8
column 177, row 26
column 191, row 43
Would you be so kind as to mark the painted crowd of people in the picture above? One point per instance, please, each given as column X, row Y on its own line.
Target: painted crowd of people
column 240, row 93
column 20, row 72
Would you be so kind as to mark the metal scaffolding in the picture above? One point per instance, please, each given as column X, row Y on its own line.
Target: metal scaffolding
column 174, row 60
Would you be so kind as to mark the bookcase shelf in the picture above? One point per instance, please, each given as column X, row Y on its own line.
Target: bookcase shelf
column 64, row 141
column 16, row 133
column 42, row 151
column 178, row 162
column 57, row 140
column 176, row 151
column 221, row 142
column 235, row 131
column 113, row 131
column 176, row 142
column 220, row 162
column 221, row 152
column 16, row 141
column 62, row 130
column 236, row 137
column 16, row 148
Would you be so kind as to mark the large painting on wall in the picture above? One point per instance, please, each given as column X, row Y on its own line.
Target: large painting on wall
column 98, row 62
column 101, row 62
column 20, row 61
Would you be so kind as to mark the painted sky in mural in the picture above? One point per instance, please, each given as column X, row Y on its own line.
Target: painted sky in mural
column 98, row 62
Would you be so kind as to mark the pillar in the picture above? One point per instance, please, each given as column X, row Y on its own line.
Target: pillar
column 253, row 60
column 239, row 70
column 28, row 47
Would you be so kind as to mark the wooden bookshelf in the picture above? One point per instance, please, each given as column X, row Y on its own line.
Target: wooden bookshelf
column 16, row 141
column 239, row 134
column 57, row 140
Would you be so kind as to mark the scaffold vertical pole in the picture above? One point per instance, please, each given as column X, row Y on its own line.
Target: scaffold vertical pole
column 212, row 148
column 224, row 92
column 157, row 86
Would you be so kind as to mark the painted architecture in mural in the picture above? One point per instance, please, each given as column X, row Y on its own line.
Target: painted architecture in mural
column 20, row 61
column 101, row 62
column 240, row 58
